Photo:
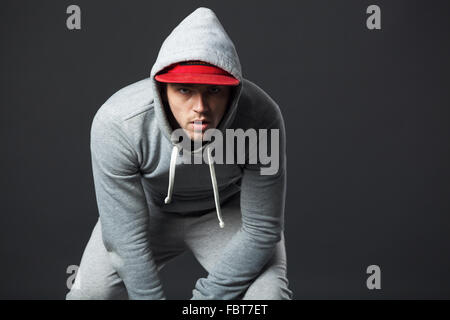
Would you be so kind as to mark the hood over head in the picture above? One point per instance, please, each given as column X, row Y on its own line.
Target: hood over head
column 200, row 36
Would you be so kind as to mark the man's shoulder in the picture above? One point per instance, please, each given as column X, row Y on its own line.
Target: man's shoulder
column 256, row 105
column 129, row 102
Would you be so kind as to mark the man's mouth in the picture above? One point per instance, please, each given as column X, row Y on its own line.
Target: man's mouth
column 199, row 125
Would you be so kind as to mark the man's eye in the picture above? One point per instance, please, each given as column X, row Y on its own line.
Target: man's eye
column 184, row 90
column 214, row 90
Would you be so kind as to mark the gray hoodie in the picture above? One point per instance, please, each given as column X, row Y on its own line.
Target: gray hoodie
column 132, row 149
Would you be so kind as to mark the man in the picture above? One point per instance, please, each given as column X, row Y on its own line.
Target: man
column 149, row 215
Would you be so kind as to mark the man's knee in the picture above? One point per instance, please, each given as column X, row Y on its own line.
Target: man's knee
column 97, row 293
column 269, row 287
column 74, row 294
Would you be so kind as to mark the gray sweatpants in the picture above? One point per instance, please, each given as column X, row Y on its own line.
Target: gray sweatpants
column 170, row 235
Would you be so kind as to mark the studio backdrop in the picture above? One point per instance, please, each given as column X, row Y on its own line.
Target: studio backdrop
column 363, row 87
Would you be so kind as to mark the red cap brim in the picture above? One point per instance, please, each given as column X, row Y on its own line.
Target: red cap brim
column 199, row 78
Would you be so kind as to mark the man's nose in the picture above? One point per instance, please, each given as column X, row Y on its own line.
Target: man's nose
column 201, row 104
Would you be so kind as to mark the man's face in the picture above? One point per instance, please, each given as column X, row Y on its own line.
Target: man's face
column 197, row 107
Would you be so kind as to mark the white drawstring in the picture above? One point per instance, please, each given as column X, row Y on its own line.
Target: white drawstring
column 173, row 162
column 215, row 189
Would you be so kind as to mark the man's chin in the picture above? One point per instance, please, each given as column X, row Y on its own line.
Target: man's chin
column 193, row 136
column 196, row 136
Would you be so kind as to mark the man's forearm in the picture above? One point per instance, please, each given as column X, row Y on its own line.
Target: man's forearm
column 240, row 263
column 132, row 258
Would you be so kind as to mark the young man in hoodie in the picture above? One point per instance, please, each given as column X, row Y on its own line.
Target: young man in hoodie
column 147, row 216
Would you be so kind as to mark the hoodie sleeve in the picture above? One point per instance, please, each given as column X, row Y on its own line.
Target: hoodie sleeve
column 262, row 207
column 122, row 208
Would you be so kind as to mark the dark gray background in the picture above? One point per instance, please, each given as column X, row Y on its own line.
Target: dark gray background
column 367, row 118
